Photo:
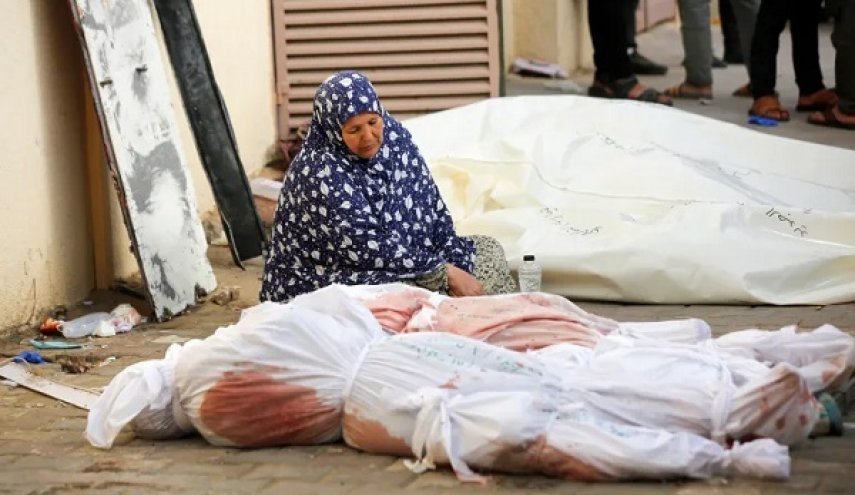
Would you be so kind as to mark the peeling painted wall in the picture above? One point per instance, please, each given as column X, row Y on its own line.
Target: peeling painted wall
column 47, row 257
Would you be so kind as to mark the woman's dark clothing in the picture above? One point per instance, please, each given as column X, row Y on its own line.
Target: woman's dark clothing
column 347, row 220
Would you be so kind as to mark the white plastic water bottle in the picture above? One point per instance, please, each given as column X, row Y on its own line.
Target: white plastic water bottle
column 83, row 326
column 529, row 274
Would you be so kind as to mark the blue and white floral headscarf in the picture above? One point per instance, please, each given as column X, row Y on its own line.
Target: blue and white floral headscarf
column 343, row 219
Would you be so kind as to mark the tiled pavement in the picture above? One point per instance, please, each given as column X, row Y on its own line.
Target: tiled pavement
column 42, row 450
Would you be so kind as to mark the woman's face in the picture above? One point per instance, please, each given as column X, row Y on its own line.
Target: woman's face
column 363, row 134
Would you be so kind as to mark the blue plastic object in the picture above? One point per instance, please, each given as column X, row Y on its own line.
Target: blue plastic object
column 54, row 344
column 832, row 410
column 762, row 121
column 31, row 357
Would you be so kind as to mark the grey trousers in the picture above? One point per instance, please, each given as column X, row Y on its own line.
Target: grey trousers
column 697, row 42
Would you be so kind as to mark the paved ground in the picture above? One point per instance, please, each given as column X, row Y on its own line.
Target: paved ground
column 664, row 46
column 42, row 450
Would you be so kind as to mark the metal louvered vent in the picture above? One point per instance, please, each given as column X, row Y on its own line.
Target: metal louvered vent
column 421, row 55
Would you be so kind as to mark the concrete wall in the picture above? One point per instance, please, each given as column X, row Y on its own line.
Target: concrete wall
column 43, row 211
column 551, row 30
column 44, row 198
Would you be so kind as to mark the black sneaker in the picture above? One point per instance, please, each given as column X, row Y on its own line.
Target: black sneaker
column 643, row 65
column 718, row 63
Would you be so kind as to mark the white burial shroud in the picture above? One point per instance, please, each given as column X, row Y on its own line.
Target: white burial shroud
column 625, row 201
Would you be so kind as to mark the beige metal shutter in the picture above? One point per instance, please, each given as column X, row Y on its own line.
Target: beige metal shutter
column 422, row 55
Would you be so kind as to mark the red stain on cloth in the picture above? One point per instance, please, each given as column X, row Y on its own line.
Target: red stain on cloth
column 252, row 409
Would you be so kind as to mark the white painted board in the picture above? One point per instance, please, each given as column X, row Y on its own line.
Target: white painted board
column 19, row 374
column 144, row 150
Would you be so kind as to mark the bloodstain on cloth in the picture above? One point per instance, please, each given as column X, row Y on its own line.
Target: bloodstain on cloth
column 252, row 409
column 372, row 437
column 539, row 456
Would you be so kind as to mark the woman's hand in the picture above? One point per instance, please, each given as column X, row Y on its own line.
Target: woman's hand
column 461, row 283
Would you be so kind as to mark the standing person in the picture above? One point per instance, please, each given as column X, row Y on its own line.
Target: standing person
column 730, row 33
column 841, row 114
column 803, row 17
column 697, row 46
column 614, row 77
column 359, row 206
column 640, row 63
column 745, row 12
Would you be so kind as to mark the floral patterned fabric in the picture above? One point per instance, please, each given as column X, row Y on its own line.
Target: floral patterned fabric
column 343, row 219
column 491, row 269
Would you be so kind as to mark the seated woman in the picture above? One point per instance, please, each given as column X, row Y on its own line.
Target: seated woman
column 359, row 206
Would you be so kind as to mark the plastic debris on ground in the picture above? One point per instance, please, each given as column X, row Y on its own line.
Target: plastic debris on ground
column 31, row 357
column 125, row 317
column 540, row 68
column 225, row 295
column 54, row 344
column 83, row 326
column 51, row 327
column 321, row 369
column 101, row 324
column 77, row 363
column 762, row 121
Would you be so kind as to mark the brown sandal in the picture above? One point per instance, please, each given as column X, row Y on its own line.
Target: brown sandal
column 829, row 117
column 770, row 108
column 819, row 101
column 689, row 92
column 628, row 89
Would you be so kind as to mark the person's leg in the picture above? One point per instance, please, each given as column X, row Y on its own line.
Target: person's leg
column 763, row 66
column 841, row 114
column 631, row 27
column 491, row 266
column 639, row 63
column 730, row 33
column 697, row 46
column 697, row 41
column 844, row 62
column 804, row 31
column 614, row 77
column 746, row 16
column 771, row 20
column 606, row 19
